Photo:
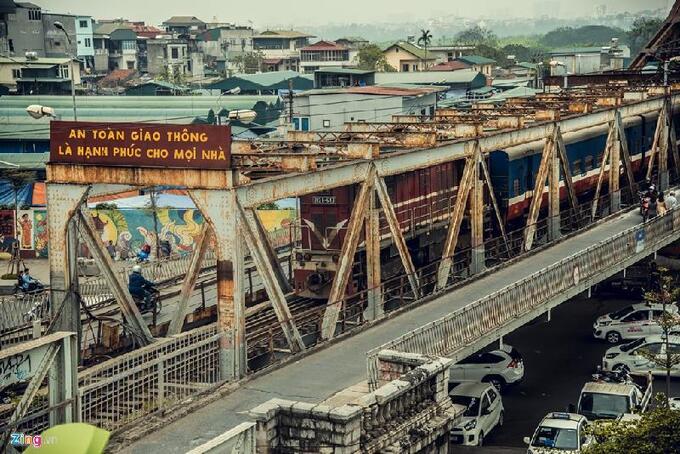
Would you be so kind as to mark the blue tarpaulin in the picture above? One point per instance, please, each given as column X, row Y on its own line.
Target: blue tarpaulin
column 24, row 196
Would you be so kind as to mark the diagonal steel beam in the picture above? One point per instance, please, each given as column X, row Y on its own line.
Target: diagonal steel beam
column 566, row 171
column 189, row 282
column 494, row 202
column 673, row 142
column 247, row 223
column 625, row 152
column 272, row 256
column 32, row 389
column 537, row 195
column 603, row 165
column 464, row 187
column 346, row 260
column 655, row 143
column 118, row 288
column 397, row 235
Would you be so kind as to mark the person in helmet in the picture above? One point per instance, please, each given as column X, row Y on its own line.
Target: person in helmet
column 140, row 288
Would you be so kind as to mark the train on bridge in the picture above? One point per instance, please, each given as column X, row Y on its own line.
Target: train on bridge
column 423, row 200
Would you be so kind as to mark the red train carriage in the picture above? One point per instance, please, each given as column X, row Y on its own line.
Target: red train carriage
column 422, row 200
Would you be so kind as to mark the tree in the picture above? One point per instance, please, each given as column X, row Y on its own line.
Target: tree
column 588, row 35
column 641, row 32
column 425, row 40
column 664, row 293
column 249, row 63
column 371, row 58
column 655, row 433
column 478, row 35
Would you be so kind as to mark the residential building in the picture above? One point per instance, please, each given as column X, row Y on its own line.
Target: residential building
column 7, row 7
column 263, row 83
column 56, row 43
column 156, row 88
column 323, row 54
column 478, row 63
column 224, row 44
column 354, row 44
column 168, row 56
column 456, row 83
column 583, row 60
column 118, row 42
column 449, row 52
column 343, row 77
column 39, row 75
column 184, row 25
column 25, row 32
column 407, row 57
column 85, row 40
column 324, row 109
column 281, row 48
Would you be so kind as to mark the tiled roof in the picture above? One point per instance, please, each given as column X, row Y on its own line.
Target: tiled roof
column 283, row 34
column 324, row 45
column 412, row 49
column 181, row 20
column 449, row 66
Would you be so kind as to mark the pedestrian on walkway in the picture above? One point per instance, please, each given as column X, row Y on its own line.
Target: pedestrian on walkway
column 671, row 201
column 661, row 205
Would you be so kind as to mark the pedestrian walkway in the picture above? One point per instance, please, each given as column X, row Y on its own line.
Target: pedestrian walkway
column 318, row 376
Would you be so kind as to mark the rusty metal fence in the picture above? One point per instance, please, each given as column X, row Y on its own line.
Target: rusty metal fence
column 125, row 389
column 459, row 329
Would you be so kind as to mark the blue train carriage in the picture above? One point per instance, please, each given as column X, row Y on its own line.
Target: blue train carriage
column 513, row 171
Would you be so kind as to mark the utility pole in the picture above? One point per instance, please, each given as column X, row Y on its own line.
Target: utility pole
column 290, row 101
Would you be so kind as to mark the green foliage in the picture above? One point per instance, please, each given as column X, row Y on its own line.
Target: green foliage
column 268, row 206
column 478, row 35
column 641, row 32
column 425, row 38
column 371, row 58
column 588, row 35
column 657, row 432
column 249, row 63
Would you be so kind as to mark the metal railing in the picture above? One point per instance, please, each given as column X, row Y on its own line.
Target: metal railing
column 457, row 330
column 125, row 389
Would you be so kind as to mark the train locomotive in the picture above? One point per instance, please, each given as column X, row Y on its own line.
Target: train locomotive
column 423, row 200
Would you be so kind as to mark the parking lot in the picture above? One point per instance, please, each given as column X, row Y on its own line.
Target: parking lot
column 559, row 357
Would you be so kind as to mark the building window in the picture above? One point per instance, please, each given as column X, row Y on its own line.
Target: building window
column 34, row 14
column 326, row 123
column 88, row 42
column 11, row 45
column 57, row 43
column 174, row 53
column 130, row 65
column 63, row 72
column 415, row 67
column 82, row 24
column 16, row 74
column 404, row 67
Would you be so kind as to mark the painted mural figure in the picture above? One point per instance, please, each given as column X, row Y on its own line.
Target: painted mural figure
column 26, row 232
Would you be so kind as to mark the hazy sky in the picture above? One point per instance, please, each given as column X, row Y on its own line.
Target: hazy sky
column 271, row 12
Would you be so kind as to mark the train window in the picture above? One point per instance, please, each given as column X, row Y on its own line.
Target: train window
column 576, row 167
column 589, row 163
column 515, row 187
column 599, row 160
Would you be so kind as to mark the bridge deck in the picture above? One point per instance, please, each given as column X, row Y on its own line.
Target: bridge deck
column 321, row 374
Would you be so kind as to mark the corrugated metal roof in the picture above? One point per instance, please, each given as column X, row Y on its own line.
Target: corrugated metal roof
column 449, row 66
column 373, row 90
column 33, row 161
column 110, row 27
column 576, row 50
column 265, row 81
column 476, row 60
column 283, row 34
column 358, row 72
column 184, row 20
column 463, row 76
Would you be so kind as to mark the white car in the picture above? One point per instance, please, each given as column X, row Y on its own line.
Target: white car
column 635, row 356
column 560, row 432
column 499, row 367
column 631, row 322
column 674, row 403
column 483, row 412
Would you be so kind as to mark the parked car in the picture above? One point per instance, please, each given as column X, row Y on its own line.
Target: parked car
column 674, row 403
column 631, row 322
column 499, row 367
column 637, row 356
column 483, row 411
column 560, row 432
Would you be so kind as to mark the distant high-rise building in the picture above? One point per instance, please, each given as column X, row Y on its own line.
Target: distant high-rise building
column 600, row 10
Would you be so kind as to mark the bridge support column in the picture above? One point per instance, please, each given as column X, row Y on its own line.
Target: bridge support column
column 614, row 177
column 663, row 152
column 220, row 211
column 478, row 257
column 554, row 221
column 374, row 309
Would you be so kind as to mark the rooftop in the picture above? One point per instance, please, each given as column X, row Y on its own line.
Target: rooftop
column 323, row 45
column 576, row 50
column 283, row 34
column 620, row 389
column 184, row 20
column 110, row 27
column 412, row 49
column 357, row 72
column 33, row 161
column 373, row 90
column 27, row 5
column 462, row 76
column 454, row 65
column 476, row 60
column 263, row 81
column 34, row 61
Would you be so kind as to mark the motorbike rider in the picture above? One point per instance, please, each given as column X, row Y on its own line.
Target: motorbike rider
column 140, row 288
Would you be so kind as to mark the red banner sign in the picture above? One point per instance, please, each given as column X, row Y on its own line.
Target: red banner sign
column 140, row 145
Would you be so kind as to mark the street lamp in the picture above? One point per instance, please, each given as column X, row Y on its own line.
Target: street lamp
column 59, row 26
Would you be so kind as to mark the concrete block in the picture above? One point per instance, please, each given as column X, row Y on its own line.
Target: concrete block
column 265, row 411
column 302, row 407
column 346, row 412
column 321, row 411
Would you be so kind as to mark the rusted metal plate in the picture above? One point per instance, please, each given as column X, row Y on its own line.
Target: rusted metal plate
column 140, row 145
column 84, row 174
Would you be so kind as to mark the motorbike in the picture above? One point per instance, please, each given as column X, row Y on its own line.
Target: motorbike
column 645, row 201
column 150, row 304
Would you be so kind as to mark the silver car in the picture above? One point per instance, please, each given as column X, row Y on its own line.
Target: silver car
column 499, row 367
